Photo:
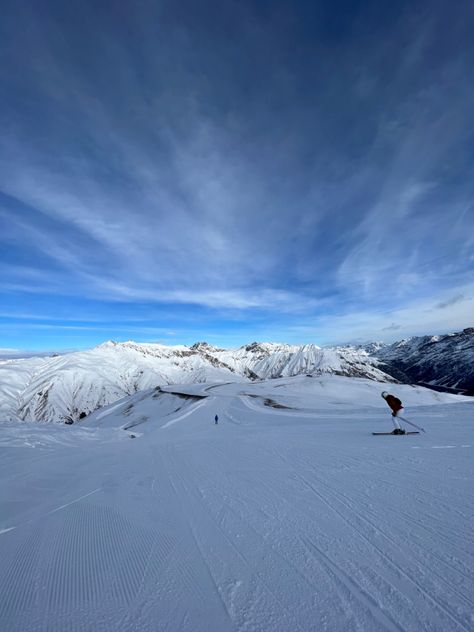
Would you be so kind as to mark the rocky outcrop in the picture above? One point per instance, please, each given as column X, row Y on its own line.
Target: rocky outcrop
column 439, row 361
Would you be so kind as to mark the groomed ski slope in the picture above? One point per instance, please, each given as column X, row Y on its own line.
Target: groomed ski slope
column 277, row 519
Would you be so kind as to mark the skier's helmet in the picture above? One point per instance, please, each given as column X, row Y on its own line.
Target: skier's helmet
column 384, row 394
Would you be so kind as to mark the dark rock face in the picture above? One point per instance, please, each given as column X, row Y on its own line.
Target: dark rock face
column 444, row 361
column 250, row 374
column 253, row 346
column 204, row 347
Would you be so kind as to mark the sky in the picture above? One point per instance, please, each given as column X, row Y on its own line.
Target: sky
column 234, row 171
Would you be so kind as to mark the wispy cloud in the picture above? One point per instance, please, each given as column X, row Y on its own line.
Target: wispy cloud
column 259, row 169
column 392, row 327
column 418, row 317
column 458, row 298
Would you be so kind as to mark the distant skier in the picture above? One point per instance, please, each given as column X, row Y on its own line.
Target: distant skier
column 396, row 406
column 216, row 420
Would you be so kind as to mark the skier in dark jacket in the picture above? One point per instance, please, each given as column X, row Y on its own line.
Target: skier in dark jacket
column 216, row 419
column 396, row 406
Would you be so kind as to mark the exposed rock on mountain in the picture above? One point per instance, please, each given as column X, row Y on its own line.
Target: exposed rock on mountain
column 445, row 361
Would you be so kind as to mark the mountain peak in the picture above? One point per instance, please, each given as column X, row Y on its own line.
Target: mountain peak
column 203, row 346
column 108, row 344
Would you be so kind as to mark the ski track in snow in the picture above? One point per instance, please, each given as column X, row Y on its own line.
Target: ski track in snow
column 271, row 521
column 184, row 415
column 53, row 510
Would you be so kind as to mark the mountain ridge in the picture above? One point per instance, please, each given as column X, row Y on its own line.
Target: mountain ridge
column 445, row 361
column 70, row 386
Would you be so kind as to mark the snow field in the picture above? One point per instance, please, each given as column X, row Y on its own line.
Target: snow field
column 276, row 520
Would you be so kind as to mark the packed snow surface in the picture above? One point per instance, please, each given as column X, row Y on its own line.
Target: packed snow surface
column 287, row 516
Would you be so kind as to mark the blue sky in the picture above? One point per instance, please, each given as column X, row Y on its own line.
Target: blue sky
column 231, row 171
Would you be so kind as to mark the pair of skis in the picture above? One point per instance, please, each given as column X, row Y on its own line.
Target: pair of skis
column 399, row 434
column 419, row 428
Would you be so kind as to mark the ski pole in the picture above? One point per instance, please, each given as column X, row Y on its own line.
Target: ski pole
column 411, row 423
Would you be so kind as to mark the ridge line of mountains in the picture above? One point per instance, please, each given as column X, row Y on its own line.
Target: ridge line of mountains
column 69, row 387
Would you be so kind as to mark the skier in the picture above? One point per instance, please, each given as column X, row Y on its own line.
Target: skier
column 396, row 406
column 216, row 419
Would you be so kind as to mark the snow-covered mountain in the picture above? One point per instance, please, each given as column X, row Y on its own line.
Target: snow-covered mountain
column 270, row 360
column 70, row 386
column 446, row 361
column 73, row 385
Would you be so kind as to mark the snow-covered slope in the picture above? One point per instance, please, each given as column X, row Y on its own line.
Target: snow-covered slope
column 270, row 360
column 75, row 384
column 298, row 395
column 288, row 516
column 15, row 378
column 70, row 386
column 250, row 359
column 310, row 359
